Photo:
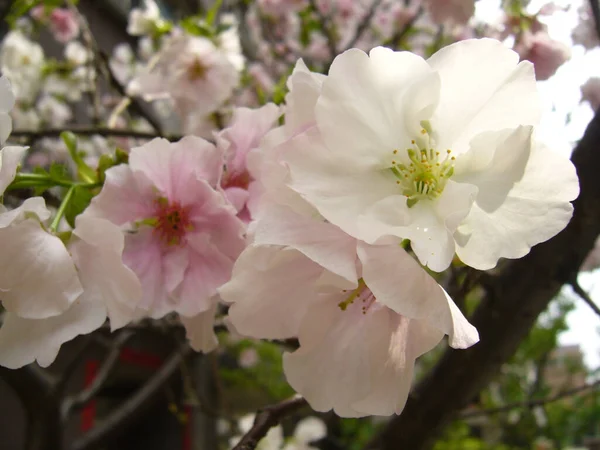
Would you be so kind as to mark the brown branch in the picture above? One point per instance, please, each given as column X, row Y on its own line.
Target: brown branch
column 134, row 406
column 364, row 24
column 585, row 296
column 89, row 131
column 106, row 369
column 266, row 419
column 530, row 403
column 394, row 41
column 515, row 297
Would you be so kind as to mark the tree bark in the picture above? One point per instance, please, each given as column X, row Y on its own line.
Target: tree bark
column 514, row 299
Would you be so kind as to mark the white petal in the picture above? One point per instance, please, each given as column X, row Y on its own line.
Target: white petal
column 200, row 330
column 10, row 158
column 535, row 209
column 106, row 280
column 339, row 192
column 270, row 290
column 38, row 277
column 35, row 205
column 304, row 89
column 341, row 356
column 500, row 93
column 23, row 341
column 360, row 110
column 320, row 241
column 398, row 282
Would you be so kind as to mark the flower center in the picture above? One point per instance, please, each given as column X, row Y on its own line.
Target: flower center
column 362, row 294
column 171, row 222
column 196, row 71
column 428, row 171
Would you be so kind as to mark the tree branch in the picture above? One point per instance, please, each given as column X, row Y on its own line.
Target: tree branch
column 595, row 5
column 110, row 362
column 362, row 27
column 585, row 296
column 266, row 419
column 134, row 406
column 88, row 131
column 530, row 403
column 517, row 295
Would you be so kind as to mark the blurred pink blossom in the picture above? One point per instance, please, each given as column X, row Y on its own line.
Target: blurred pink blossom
column 590, row 92
column 546, row 54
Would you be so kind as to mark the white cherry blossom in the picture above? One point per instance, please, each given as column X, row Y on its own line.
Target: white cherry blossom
column 439, row 151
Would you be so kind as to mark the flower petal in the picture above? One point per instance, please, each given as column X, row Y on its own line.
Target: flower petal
column 106, row 280
column 535, row 209
column 501, row 93
column 340, row 193
column 320, row 241
column 200, row 330
column 270, row 290
column 38, row 279
column 398, row 282
column 23, row 341
column 10, row 158
column 341, row 356
column 125, row 197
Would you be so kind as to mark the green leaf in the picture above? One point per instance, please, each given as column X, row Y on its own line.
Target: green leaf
column 82, row 196
column 211, row 15
column 85, row 172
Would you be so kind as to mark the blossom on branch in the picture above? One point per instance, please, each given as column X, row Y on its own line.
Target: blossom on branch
column 182, row 236
column 439, row 151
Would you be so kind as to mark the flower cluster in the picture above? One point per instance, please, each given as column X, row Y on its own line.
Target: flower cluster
column 325, row 216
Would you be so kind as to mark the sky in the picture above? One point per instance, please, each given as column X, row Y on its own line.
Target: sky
column 561, row 97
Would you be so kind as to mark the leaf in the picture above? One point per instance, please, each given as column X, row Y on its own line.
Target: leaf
column 82, row 196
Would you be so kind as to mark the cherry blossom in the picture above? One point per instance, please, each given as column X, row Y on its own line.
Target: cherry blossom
column 191, row 71
column 546, row 54
column 590, row 92
column 110, row 289
column 182, row 235
column 243, row 134
column 432, row 151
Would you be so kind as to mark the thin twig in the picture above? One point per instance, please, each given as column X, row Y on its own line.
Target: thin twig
column 394, row 41
column 531, row 403
column 266, row 419
column 89, row 131
column 110, row 362
column 135, row 405
column 585, row 296
column 362, row 27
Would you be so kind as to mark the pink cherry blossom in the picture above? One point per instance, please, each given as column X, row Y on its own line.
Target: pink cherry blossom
column 182, row 234
column 546, row 54
column 243, row 134
column 62, row 21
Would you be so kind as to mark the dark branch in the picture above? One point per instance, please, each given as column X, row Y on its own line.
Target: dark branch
column 134, row 406
column 516, row 296
column 88, row 131
column 394, row 41
column 595, row 5
column 531, row 403
column 585, row 296
column 266, row 419
column 110, row 362
column 362, row 27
